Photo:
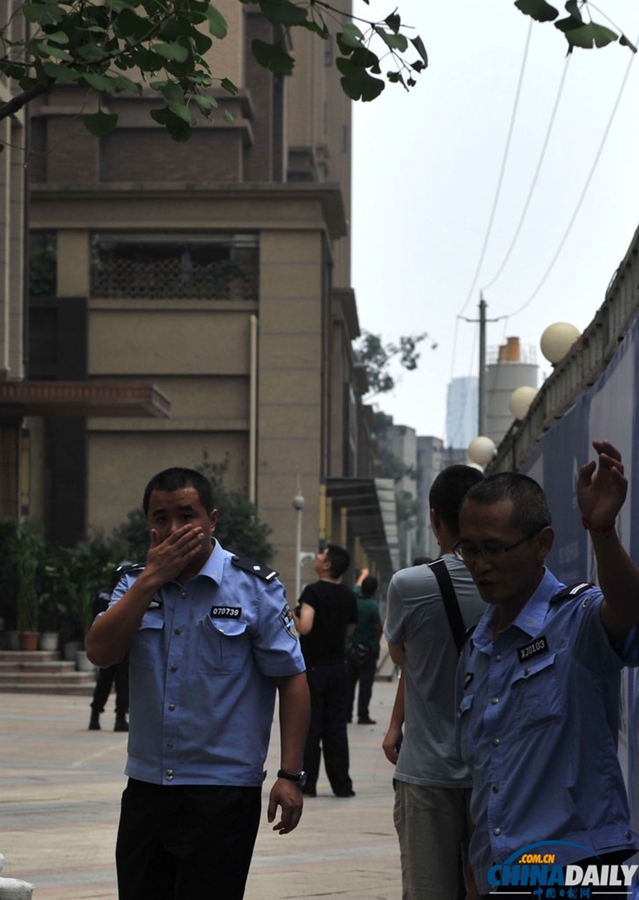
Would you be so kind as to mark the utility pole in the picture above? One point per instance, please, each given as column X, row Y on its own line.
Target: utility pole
column 481, row 400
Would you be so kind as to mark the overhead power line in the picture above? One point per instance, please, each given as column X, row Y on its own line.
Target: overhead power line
column 584, row 191
column 535, row 177
column 502, row 170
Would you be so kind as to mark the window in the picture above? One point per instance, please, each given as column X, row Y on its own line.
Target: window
column 157, row 266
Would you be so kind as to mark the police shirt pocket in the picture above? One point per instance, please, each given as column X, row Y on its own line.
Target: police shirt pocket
column 536, row 693
column 147, row 644
column 222, row 646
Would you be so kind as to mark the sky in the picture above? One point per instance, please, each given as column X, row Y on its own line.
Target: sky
column 431, row 228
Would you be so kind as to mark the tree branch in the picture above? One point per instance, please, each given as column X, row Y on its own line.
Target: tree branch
column 16, row 103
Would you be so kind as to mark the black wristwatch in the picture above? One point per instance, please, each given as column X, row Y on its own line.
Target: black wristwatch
column 298, row 777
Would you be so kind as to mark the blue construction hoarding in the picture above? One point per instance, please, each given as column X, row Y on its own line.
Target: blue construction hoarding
column 607, row 410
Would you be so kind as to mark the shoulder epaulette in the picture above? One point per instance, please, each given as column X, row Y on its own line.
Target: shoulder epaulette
column 128, row 569
column 255, row 568
column 574, row 590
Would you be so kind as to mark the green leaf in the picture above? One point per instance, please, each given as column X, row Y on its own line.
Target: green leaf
column 92, row 53
column 228, row 117
column 205, row 103
column 178, row 129
column 588, row 35
column 171, row 51
column 538, row 10
column 63, row 74
column 365, row 59
column 170, row 90
column 362, row 86
column 56, row 52
column 227, row 85
column 129, row 24
column 122, row 83
column 100, row 123
column 58, row 37
column 351, row 36
column 572, row 8
column 283, row 12
column 160, row 115
column 357, row 83
column 273, row 57
column 316, row 28
column 568, row 24
column 393, row 41
column 394, row 22
column 217, row 22
column 602, row 35
column 183, row 112
column 98, row 82
column 418, row 44
column 623, row 40
column 201, row 42
column 35, row 12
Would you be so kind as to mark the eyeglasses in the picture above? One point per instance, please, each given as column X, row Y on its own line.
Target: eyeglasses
column 492, row 550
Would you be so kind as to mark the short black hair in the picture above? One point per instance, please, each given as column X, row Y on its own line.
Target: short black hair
column 531, row 512
column 448, row 491
column 177, row 478
column 338, row 558
column 368, row 587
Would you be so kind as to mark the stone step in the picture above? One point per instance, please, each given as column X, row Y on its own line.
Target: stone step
column 58, row 665
column 28, row 655
column 42, row 672
column 67, row 677
column 67, row 690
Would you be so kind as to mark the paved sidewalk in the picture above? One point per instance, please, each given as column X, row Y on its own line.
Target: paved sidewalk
column 60, row 788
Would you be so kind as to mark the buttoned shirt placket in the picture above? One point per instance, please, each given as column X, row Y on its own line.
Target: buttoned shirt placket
column 499, row 658
column 175, row 625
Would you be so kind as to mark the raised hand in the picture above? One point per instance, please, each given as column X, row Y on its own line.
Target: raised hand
column 167, row 558
column 601, row 490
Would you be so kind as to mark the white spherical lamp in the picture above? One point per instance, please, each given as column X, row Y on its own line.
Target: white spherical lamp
column 557, row 340
column 481, row 450
column 520, row 401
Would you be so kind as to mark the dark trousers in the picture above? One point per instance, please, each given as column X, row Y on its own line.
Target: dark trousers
column 366, row 676
column 327, row 730
column 186, row 841
column 118, row 674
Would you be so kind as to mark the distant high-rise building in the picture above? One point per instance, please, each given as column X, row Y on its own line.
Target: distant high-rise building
column 461, row 411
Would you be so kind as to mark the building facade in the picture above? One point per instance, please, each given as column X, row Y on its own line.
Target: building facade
column 215, row 276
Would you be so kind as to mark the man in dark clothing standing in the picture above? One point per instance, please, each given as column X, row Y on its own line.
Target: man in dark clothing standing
column 327, row 615
column 118, row 673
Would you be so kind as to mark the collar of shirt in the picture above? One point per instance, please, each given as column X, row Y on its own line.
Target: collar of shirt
column 530, row 620
column 213, row 568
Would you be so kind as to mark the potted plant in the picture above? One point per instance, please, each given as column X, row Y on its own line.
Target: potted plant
column 51, row 614
column 29, row 553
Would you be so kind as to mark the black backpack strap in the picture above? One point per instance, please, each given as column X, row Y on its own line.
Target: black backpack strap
column 451, row 604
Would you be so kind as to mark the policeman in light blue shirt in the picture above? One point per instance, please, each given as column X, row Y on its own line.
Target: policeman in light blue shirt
column 211, row 643
column 538, row 681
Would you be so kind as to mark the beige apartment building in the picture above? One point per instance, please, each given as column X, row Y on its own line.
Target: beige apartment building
column 195, row 297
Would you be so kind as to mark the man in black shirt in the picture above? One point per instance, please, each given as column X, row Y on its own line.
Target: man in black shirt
column 327, row 614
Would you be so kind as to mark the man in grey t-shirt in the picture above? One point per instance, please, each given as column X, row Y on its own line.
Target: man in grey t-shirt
column 432, row 786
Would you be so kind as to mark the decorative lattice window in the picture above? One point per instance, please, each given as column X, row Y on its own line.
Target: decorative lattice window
column 201, row 267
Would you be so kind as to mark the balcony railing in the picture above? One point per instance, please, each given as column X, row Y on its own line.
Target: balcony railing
column 174, row 278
